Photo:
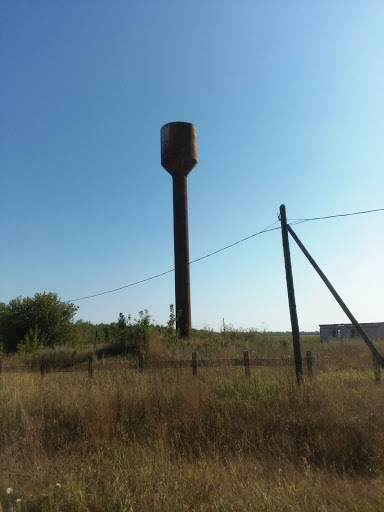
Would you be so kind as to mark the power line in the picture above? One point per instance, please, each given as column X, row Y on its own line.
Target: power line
column 299, row 221
column 122, row 287
column 266, row 230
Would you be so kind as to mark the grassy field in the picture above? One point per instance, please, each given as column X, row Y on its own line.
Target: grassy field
column 165, row 441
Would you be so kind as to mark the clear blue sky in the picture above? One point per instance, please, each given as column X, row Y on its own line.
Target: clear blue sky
column 287, row 99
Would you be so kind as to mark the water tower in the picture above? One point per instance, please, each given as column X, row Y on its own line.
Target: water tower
column 179, row 157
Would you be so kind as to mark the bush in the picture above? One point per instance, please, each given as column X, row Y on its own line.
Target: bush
column 171, row 334
column 43, row 320
column 135, row 336
column 31, row 341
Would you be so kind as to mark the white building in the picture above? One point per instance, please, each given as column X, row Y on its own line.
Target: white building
column 347, row 331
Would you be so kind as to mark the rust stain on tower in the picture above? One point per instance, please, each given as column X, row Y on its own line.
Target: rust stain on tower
column 179, row 157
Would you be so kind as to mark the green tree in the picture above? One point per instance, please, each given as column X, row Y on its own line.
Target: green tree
column 31, row 342
column 171, row 334
column 88, row 333
column 45, row 318
column 134, row 336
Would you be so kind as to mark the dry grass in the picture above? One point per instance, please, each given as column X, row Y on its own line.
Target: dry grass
column 163, row 440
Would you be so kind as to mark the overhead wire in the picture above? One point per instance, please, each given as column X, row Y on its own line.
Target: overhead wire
column 299, row 221
column 122, row 287
column 265, row 230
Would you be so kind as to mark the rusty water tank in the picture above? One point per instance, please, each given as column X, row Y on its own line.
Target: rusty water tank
column 178, row 148
column 179, row 157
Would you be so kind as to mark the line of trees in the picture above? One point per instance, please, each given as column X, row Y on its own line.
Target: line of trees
column 30, row 323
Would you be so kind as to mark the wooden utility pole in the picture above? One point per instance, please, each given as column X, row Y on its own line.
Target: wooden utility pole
column 291, row 297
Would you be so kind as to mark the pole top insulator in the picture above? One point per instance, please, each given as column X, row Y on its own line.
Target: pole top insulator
column 178, row 148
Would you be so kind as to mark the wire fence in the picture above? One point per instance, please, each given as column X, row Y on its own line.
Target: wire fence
column 324, row 362
column 140, row 364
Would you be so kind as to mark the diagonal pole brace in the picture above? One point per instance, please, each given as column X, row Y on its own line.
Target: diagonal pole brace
column 353, row 320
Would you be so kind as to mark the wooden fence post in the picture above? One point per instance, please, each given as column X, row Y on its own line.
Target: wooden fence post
column 141, row 362
column 246, row 364
column 376, row 369
column 42, row 369
column 309, row 364
column 194, row 364
column 90, row 367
